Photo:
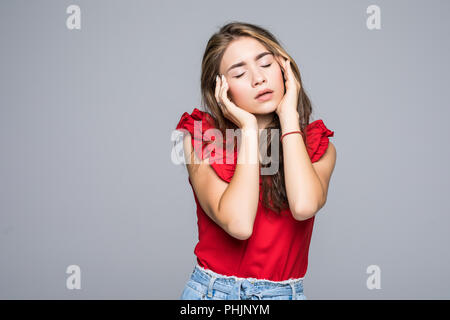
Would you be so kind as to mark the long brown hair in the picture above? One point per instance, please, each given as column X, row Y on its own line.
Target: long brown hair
column 273, row 186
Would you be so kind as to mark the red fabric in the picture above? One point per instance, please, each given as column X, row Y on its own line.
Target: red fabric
column 278, row 247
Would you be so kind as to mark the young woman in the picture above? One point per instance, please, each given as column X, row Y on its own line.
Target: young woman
column 254, row 229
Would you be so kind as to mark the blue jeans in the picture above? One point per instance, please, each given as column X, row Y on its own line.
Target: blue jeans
column 207, row 285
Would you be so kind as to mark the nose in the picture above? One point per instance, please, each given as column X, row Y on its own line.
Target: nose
column 258, row 81
column 258, row 78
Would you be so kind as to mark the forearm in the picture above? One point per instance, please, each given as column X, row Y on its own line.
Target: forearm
column 303, row 186
column 240, row 199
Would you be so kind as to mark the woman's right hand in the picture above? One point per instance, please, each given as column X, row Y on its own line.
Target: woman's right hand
column 240, row 117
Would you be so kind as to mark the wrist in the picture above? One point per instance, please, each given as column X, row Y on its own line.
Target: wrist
column 289, row 121
column 250, row 126
column 251, row 132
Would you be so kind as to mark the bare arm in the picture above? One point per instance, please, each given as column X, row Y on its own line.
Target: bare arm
column 240, row 199
column 231, row 205
column 306, row 183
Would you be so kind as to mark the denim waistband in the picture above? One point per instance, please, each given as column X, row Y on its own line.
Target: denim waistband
column 237, row 286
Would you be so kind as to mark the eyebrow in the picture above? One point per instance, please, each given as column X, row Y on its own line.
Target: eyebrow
column 239, row 64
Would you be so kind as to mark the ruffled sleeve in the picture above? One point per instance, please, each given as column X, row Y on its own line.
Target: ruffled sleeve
column 209, row 144
column 317, row 137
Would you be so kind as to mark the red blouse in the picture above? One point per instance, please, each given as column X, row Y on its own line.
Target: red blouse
column 278, row 248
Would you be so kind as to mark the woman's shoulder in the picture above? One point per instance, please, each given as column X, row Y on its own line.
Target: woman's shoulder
column 222, row 156
column 318, row 129
column 317, row 138
column 188, row 121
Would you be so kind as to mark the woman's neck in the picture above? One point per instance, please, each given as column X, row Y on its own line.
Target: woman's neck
column 264, row 119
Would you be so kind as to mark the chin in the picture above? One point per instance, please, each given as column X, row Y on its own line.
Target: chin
column 265, row 108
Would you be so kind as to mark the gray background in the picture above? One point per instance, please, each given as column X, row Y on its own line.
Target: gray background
column 86, row 176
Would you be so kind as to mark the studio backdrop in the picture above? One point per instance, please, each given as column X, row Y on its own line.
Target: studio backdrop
column 92, row 205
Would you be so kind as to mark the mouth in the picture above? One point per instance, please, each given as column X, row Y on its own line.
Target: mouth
column 264, row 95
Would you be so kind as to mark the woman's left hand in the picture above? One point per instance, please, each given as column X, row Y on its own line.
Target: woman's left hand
column 289, row 101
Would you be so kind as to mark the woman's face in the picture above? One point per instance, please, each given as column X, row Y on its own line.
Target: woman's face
column 248, row 71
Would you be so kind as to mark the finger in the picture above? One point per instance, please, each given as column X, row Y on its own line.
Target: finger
column 283, row 67
column 218, row 85
column 291, row 74
column 228, row 107
column 287, row 66
column 221, row 99
column 225, row 93
column 224, row 81
column 223, row 89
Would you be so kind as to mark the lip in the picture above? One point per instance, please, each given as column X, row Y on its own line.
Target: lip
column 265, row 97
column 263, row 92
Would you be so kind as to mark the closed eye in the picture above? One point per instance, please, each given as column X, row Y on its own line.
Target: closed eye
column 266, row 66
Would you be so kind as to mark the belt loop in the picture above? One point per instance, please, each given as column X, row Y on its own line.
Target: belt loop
column 239, row 284
column 210, row 287
column 236, row 290
column 293, row 291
